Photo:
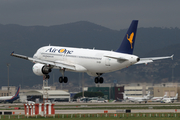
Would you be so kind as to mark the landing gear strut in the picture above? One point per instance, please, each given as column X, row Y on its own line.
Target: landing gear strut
column 47, row 76
column 63, row 78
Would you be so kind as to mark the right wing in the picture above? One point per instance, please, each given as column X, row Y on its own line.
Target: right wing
column 52, row 63
column 149, row 60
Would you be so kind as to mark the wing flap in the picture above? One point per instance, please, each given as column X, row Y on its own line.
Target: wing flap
column 65, row 65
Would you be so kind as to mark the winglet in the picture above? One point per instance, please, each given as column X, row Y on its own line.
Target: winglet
column 12, row 53
column 172, row 56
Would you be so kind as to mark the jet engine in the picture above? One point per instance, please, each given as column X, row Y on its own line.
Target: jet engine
column 41, row 69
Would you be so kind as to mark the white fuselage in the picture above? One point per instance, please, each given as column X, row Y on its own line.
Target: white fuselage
column 156, row 99
column 137, row 99
column 5, row 98
column 86, row 60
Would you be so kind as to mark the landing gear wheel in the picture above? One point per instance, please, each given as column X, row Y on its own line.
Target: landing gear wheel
column 61, row 79
column 101, row 80
column 65, row 79
column 47, row 76
column 96, row 80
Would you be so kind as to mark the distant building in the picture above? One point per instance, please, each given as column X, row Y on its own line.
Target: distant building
column 4, row 91
column 53, row 95
column 114, row 93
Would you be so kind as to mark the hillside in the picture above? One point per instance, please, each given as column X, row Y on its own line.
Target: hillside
column 26, row 40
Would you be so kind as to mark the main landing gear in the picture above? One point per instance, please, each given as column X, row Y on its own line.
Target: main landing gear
column 63, row 78
column 98, row 79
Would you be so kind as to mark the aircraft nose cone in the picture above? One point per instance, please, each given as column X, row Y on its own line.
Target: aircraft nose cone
column 138, row 59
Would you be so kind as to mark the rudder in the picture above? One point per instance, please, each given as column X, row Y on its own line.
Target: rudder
column 17, row 92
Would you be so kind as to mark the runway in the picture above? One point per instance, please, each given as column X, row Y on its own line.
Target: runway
column 21, row 112
column 92, row 108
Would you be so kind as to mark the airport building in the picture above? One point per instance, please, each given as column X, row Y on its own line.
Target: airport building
column 137, row 90
column 109, row 92
column 39, row 95
column 4, row 91
column 168, row 89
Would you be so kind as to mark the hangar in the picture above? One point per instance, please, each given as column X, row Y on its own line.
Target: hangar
column 53, row 95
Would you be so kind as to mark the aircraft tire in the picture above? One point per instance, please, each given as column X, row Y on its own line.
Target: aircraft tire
column 61, row 79
column 96, row 80
column 101, row 80
column 65, row 79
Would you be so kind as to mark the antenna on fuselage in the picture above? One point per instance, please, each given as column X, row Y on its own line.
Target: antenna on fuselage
column 49, row 44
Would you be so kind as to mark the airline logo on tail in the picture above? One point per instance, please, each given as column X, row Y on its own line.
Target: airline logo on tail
column 130, row 39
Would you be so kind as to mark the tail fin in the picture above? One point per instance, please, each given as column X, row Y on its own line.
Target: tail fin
column 124, row 96
column 148, row 95
column 176, row 97
column 17, row 92
column 165, row 95
column 127, row 44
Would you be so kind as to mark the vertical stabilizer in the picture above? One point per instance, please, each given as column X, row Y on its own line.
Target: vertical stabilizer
column 17, row 92
column 124, row 96
column 176, row 97
column 127, row 45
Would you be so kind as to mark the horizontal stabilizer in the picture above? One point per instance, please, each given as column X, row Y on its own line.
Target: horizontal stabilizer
column 149, row 60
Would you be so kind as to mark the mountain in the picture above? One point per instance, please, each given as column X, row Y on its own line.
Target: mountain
column 26, row 40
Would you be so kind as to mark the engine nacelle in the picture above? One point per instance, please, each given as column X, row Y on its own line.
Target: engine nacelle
column 40, row 69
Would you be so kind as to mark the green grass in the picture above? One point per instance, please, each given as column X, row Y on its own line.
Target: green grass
column 142, row 116
column 166, row 116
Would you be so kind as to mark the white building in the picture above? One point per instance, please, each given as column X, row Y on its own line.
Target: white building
column 53, row 95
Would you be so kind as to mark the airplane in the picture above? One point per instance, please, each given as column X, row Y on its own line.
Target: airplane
column 93, row 62
column 158, row 99
column 137, row 99
column 10, row 99
column 169, row 100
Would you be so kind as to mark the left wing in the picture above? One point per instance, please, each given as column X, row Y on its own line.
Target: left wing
column 149, row 60
column 52, row 63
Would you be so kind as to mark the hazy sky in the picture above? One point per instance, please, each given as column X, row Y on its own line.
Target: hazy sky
column 114, row 14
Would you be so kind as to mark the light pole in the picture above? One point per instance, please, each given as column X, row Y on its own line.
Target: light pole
column 83, row 84
column 8, row 77
column 173, row 66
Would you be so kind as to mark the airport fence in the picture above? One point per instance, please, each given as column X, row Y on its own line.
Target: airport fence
column 104, row 115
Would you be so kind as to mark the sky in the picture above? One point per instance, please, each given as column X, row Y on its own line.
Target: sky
column 113, row 14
